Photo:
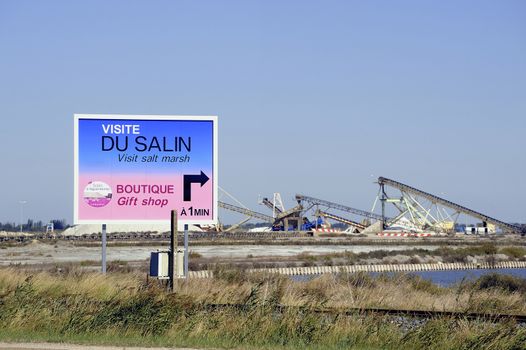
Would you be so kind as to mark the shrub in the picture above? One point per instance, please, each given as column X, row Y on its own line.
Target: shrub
column 424, row 285
column 194, row 255
column 229, row 274
column 376, row 254
column 306, row 256
column 514, row 252
column 506, row 283
column 451, row 255
column 357, row 279
column 415, row 260
column 484, row 249
column 119, row 266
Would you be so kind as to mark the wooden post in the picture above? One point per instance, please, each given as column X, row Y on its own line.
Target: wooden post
column 173, row 250
column 186, row 251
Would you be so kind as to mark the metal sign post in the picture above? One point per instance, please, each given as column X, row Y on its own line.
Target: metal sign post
column 103, row 248
column 173, row 249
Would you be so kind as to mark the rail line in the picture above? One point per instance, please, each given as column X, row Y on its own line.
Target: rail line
column 356, row 311
column 165, row 236
column 278, row 236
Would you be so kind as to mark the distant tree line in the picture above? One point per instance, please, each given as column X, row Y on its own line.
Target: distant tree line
column 33, row 226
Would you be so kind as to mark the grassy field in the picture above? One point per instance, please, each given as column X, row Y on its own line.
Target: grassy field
column 484, row 253
column 488, row 252
column 125, row 309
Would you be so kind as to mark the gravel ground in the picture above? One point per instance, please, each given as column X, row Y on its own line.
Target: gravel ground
column 61, row 252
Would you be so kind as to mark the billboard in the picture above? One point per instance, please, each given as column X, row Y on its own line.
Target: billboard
column 137, row 168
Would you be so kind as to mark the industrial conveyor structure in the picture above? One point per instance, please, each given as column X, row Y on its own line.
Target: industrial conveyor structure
column 331, row 205
column 275, row 209
column 292, row 216
column 290, row 212
column 246, row 212
column 290, row 219
column 426, row 211
column 343, row 220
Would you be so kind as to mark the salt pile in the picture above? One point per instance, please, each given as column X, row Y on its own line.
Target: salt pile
column 88, row 229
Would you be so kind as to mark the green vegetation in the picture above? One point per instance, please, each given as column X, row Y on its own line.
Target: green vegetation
column 485, row 252
column 514, row 252
column 500, row 282
column 246, row 311
column 194, row 255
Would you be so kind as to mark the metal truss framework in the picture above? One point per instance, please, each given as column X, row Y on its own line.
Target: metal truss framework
column 331, row 205
column 343, row 220
column 424, row 211
column 247, row 212
column 276, row 205
column 419, row 215
column 280, row 215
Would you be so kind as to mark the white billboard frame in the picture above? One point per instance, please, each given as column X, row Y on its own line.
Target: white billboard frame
column 78, row 116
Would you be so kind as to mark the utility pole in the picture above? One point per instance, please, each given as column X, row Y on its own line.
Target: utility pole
column 383, row 198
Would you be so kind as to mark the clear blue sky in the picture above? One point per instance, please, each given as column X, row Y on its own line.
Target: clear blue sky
column 312, row 96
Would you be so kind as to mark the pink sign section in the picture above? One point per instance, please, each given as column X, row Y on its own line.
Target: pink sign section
column 128, row 197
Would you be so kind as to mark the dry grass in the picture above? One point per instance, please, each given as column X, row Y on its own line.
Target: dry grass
column 447, row 254
column 74, row 282
column 357, row 291
column 124, row 309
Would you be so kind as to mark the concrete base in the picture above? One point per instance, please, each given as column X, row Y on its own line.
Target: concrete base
column 318, row 270
column 374, row 228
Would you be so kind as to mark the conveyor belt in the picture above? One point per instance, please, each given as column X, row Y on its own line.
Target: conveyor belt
column 246, row 212
column 312, row 200
column 271, row 206
column 435, row 199
column 261, row 216
column 340, row 219
column 289, row 212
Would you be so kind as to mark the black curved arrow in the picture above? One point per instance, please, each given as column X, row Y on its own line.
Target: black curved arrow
column 188, row 180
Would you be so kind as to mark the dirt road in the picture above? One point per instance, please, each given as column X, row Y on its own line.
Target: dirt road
column 52, row 346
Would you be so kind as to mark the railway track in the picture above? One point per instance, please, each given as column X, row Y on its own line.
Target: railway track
column 277, row 236
column 419, row 314
column 125, row 236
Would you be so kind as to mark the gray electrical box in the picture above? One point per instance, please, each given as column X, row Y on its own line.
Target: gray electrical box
column 160, row 264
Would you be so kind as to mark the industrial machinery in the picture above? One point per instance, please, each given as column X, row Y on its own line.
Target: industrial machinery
column 287, row 220
column 331, row 205
column 416, row 211
column 276, row 205
column 425, row 211
column 246, row 212
column 354, row 226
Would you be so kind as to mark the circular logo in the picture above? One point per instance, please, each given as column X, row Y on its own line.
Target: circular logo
column 97, row 194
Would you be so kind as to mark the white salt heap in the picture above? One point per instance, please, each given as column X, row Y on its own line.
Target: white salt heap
column 79, row 230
